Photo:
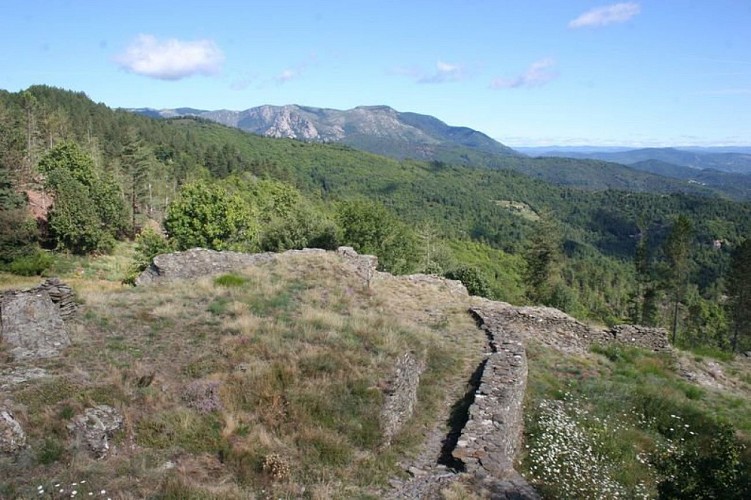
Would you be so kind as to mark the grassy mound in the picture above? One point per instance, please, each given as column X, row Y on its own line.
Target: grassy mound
column 267, row 382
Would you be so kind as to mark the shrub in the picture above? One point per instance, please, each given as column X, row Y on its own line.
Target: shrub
column 31, row 265
column 206, row 215
column 149, row 244
column 472, row 278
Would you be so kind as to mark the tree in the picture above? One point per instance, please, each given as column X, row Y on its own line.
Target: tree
column 372, row 229
column 88, row 212
column 677, row 248
column 543, row 258
column 739, row 291
column 644, row 311
column 135, row 161
column 207, row 215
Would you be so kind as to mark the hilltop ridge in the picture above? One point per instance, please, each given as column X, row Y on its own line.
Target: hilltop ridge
column 310, row 372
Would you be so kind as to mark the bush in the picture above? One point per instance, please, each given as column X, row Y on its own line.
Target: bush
column 31, row 265
column 229, row 280
column 708, row 465
column 149, row 244
column 370, row 228
column 472, row 278
column 301, row 228
column 206, row 215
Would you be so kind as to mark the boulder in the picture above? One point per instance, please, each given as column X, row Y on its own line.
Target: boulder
column 94, row 428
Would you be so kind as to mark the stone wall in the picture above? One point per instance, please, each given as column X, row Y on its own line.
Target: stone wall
column 400, row 395
column 32, row 326
column 492, row 437
column 655, row 339
column 199, row 262
column 558, row 330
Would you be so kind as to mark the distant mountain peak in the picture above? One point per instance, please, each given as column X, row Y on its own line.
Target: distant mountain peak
column 378, row 129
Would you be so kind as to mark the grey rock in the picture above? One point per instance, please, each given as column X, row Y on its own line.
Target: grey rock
column 11, row 377
column 32, row 325
column 94, row 428
column 12, row 435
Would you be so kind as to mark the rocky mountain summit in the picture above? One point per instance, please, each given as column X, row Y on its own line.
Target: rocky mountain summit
column 377, row 129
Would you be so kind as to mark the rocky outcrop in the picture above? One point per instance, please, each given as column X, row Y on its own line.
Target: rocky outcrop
column 365, row 265
column 93, row 429
column 13, row 376
column 32, row 325
column 12, row 435
column 400, row 395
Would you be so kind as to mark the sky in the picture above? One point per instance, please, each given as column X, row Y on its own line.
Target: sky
column 525, row 72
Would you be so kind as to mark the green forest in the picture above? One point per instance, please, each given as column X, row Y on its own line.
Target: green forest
column 77, row 177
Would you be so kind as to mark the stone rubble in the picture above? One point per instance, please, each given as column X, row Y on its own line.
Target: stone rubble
column 94, row 428
column 12, row 435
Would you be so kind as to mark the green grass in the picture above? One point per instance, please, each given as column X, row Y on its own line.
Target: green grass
column 633, row 420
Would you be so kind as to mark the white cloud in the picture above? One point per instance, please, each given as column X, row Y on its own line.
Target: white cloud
column 287, row 75
column 537, row 74
column 444, row 72
column 609, row 14
column 170, row 59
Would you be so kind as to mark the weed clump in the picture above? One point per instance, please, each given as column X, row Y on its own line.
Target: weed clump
column 202, row 396
column 276, row 467
column 230, row 280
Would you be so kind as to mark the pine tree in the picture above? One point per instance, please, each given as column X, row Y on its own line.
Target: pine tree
column 543, row 257
column 739, row 290
column 677, row 248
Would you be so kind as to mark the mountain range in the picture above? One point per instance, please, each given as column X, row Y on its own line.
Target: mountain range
column 698, row 159
column 376, row 129
column 402, row 135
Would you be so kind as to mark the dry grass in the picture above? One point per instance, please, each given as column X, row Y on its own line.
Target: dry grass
column 299, row 349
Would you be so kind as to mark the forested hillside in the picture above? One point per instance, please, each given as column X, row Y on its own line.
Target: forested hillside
column 631, row 254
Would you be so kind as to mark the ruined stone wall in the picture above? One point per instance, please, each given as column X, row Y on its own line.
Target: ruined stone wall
column 199, row 262
column 560, row 331
column 655, row 339
column 492, row 437
column 400, row 396
column 31, row 321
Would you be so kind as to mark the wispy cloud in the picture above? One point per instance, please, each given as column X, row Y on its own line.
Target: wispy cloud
column 170, row 59
column 442, row 73
column 537, row 74
column 609, row 14
column 287, row 75
column 297, row 71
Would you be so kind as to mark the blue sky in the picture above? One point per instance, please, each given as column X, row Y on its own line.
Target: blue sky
column 526, row 72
